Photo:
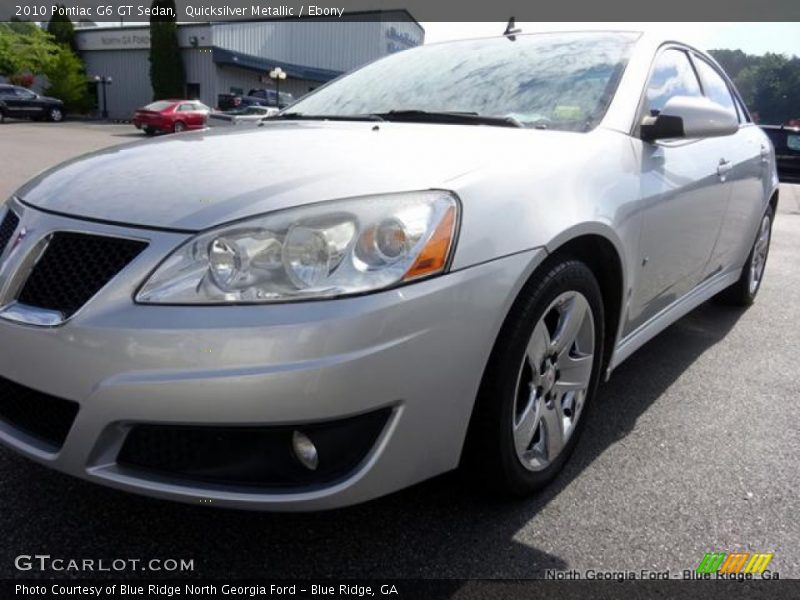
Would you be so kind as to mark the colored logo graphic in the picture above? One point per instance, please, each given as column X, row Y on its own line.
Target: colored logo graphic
column 736, row 562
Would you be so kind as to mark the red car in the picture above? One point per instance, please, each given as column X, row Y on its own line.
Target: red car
column 169, row 116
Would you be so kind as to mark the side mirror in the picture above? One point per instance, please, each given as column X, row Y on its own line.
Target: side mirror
column 689, row 117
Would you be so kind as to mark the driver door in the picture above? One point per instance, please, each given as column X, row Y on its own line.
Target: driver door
column 684, row 196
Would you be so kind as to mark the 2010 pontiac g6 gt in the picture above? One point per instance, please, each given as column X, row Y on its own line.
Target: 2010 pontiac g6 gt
column 429, row 263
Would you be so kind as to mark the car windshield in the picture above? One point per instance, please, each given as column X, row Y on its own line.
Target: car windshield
column 559, row 81
column 158, row 106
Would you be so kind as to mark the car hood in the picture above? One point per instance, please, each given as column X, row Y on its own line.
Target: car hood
column 198, row 180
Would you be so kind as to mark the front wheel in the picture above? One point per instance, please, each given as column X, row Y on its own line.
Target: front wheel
column 541, row 377
column 744, row 291
column 55, row 114
column 179, row 126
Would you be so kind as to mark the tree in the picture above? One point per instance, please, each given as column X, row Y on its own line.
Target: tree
column 25, row 48
column 732, row 61
column 167, row 75
column 66, row 77
column 62, row 29
column 769, row 84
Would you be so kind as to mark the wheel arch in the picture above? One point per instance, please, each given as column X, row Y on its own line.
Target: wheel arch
column 602, row 254
column 773, row 200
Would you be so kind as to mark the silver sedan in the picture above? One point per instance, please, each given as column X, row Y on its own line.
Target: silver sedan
column 432, row 262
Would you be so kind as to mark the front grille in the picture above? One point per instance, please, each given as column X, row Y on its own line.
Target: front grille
column 74, row 268
column 44, row 417
column 7, row 229
column 252, row 456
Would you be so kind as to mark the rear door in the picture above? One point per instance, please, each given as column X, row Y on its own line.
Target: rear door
column 747, row 156
column 684, row 197
column 28, row 103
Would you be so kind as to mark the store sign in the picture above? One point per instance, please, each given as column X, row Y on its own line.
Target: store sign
column 399, row 40
column 109, row 40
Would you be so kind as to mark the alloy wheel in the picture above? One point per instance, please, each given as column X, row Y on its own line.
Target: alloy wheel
column 759, row 259
column 553, row 380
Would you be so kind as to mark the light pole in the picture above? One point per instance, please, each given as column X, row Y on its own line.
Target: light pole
column 103, row 81
column 277, row 74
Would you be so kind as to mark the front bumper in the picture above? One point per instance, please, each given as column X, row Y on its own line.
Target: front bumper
column 419, row 350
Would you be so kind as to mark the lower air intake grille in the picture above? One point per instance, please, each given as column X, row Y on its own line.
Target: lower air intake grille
column 74, row 268
column 44, row 417
column 7, row 229
column 252, row 456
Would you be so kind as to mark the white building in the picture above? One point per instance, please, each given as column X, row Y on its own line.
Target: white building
column 237, row 56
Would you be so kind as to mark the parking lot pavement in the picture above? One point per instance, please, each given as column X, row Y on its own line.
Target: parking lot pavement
column 28, row 147
column 691, row 447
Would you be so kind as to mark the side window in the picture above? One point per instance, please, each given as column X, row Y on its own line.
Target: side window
column 24, row 94
column 672, row 75
column 714, row 85
column 793, row 142
column 186, row 108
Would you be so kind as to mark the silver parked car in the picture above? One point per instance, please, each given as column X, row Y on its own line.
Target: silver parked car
column 430, row 262
column 249, row 115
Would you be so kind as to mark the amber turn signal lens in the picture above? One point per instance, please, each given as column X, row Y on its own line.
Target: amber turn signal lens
column 433, row 257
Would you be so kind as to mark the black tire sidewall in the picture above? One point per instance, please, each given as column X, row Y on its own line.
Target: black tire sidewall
column 751, row 296
column 498, row 390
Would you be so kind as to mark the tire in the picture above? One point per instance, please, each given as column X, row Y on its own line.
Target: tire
column 497, row 455
column 149, row 131
column 2, row 116
column 55, row 114
column 179, row 126
column 745, row 290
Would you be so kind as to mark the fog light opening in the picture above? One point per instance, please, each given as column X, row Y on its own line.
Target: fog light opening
column 305, row 450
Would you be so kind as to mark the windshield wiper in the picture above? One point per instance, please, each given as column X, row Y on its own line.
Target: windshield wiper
column 468, row 118
column 309, row 117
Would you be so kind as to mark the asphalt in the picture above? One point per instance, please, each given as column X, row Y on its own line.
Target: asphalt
column 691, row 447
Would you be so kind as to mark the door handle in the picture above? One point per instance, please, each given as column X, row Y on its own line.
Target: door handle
column 724, row 167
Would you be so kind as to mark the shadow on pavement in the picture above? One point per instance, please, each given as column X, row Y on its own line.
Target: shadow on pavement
column 438, row 529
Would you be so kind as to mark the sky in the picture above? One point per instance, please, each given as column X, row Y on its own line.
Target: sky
column 753, row 38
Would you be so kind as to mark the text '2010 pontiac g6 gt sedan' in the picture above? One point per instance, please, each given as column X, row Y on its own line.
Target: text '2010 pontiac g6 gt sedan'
column 429, row 263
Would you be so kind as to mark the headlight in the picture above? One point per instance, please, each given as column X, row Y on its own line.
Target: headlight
column 324, row 250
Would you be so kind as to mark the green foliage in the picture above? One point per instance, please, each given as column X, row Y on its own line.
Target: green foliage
column 24, row 47
column 167, row 75
column 62, row 29
column 67, row 81
column 769, row 84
